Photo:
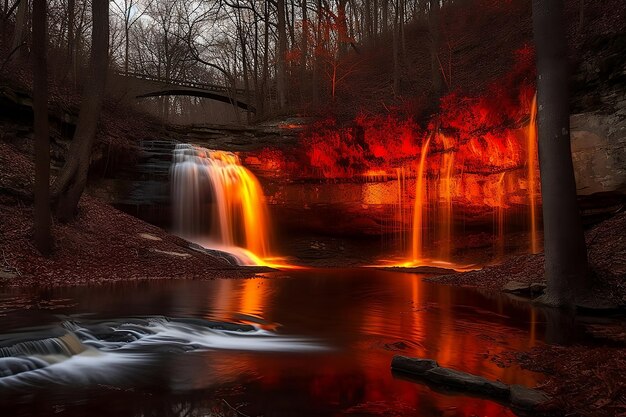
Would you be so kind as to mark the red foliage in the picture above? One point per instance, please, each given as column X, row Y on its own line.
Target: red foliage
column 481, row 129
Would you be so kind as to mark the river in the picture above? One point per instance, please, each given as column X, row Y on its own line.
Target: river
column 310, row 342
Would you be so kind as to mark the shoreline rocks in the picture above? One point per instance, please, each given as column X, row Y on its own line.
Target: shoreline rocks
column 429, row 371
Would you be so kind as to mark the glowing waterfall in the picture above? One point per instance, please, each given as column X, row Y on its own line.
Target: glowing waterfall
column 218, row 203
column 418, row 209
column 445, row 192
column 532, row 180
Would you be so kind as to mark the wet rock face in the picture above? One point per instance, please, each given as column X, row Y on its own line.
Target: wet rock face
column 527, row 398
column 599, row 151
column 598, row 125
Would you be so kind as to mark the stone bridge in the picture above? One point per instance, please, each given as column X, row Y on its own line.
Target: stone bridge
column 143, row 85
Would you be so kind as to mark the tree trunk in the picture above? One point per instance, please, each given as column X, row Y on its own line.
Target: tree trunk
column 41, row 192
column 290, row 20
column 304, row 51
column 564, row 241
column 434, row 47
column 375, row 20
column 384, row 17
column 342, row 27
column 71, row 17
column 266, row 53
column 126, row 49
column 258, row 96
column 367, row 32
column 395, row 41
column 402, row 19
column 316, row 59
column 282, row 51
column 581, row 15
column 19, row 36
column 72, row 179
column 246, row 81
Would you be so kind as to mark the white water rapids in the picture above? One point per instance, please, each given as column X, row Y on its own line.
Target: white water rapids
column 107, row 352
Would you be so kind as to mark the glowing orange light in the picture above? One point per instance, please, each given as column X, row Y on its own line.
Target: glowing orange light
column 238, row 212
column 532, row 157
column 445, row 190
column 418, row 210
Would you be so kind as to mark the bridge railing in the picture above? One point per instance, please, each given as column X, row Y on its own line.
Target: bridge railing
column 183, row 83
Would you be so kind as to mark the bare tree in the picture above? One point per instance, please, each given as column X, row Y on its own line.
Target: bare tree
column 433, row 25
column 282, row 51
column 131, row 11
column 564, row 241
column 72, row 179
column 21, row 28
column 43, row 236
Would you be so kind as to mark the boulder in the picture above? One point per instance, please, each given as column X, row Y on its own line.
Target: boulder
column 537, row 287
column 428, row 371
column 413, row 366
column 516, row 287
column 6, row 275
column 527, row 398
column 467, row 382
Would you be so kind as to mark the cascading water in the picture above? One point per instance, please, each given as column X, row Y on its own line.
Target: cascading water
column 219, row 204
column 418, row 210
column 111, row 352
column 532, row 170
column 445, row 199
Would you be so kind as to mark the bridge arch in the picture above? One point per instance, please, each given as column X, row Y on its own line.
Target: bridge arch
column 197, row 93
column 145, row 86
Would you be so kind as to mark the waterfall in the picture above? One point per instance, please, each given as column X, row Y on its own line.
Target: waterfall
column 418, row 210
column 445, row 199
column 218, row 203
column 532, row 175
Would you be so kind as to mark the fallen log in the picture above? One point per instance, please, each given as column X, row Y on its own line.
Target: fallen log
column 429, row 371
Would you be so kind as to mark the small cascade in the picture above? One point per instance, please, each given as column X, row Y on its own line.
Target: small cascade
column 84, row 353
column 67, row 344
column 218, row 203
column 532, row 175
column 418, row 209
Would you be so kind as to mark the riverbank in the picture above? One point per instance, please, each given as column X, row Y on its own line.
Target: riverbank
column 102, row 245
column 583, row 380
column 606, row 249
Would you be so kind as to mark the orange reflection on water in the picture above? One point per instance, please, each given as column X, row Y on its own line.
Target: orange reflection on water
column 365, row 321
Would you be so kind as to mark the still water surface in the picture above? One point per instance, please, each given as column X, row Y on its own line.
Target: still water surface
column 323, row 344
